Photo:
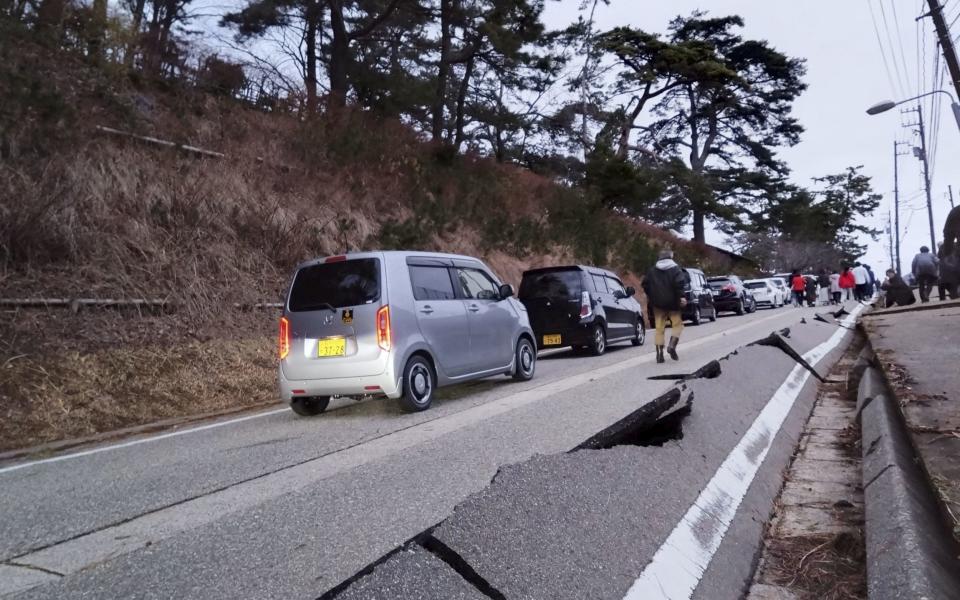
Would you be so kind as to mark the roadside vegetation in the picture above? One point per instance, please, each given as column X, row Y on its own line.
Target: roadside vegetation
column 428, row 124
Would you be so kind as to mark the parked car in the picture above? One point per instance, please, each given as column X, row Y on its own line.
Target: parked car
column 730, row 295
column 581, row 307
column 781, row 285
column 699, row 298
column 397, row 324
column 765, row 292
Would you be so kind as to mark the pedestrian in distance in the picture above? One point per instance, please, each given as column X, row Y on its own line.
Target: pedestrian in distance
column 872, row 287
column 847, row 284
column 835, row 290
column 926, row 268
column 798, row 285
column 810, row 291
column 664, row 285
column 861, row 279
column 897, row 291
column 823, row 280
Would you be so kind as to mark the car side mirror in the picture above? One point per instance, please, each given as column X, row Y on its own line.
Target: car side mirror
column 506, row 291
column 619, row 294
column 630, row 291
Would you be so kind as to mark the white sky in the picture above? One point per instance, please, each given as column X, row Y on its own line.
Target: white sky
column 845, row 75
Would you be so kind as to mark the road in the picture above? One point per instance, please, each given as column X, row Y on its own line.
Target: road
column 275, row 506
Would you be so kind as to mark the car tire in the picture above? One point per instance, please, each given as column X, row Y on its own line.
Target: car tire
column 641, row 334
column 697, row 316
column 598, row 340
column 740, row 307
column 419, row 382
column 309, row 406
column 525, row 360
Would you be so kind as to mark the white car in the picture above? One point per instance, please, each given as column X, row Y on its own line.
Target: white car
column 781, row 284
column 765, row 293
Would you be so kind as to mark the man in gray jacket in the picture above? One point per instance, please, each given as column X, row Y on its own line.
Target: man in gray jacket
column 926, row 268
column 664, row 286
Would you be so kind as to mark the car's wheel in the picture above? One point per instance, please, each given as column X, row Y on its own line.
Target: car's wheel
column 740, row 307
column 418, row 385
column 752, row 306
column 310, row 406
column 526, row 360
column 697, row 317
column 640, row 334
column 598, row 340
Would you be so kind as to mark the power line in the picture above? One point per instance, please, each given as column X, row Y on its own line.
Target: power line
column 903, row 53
column 883, row 54
column 901, row 77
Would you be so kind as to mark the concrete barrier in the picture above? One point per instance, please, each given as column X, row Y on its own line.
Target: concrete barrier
column 910, row 553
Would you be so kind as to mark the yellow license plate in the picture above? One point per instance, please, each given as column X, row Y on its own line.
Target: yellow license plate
column 332, row 347
column 551, row 340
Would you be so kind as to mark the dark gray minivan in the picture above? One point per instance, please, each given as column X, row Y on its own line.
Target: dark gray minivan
column 397, row 324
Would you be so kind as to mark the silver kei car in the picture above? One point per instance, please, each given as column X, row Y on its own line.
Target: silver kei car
column 397, row 324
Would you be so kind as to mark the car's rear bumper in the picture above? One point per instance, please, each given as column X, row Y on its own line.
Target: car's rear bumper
column 386, row 383
column 726, row 303
column 576, row 335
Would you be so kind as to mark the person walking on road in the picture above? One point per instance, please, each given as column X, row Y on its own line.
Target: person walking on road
column 663, row 284
column 835, row 290
column 861, row 279
column 823, row 280
column 898, row 292
column 847, row 284
column 798, row 285
column 925, row 268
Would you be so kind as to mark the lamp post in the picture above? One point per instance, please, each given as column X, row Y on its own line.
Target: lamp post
column 886, row 105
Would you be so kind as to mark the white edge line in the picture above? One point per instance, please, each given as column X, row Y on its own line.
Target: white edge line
column 679, row 564
column 137, row 441
column 162, row 436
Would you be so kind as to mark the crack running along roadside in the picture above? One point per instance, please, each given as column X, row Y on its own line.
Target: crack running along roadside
column 112, row 540
column 681, row 561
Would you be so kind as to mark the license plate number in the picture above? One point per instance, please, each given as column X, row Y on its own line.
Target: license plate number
column 551, row 340
column 332, row 347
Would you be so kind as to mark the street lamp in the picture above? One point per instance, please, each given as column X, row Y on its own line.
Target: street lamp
column 888, row 104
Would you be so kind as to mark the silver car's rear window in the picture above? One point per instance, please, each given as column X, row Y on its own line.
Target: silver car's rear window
column 755, row 285
column 336, row 284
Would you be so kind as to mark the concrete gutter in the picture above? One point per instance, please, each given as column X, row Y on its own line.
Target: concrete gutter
column 910, row 551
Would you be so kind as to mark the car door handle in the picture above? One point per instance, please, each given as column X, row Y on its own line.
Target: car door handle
column 473, row 308
column 426, row 310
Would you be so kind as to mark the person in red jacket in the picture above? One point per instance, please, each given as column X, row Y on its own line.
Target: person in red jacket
column 847, row 283
column 798, row 285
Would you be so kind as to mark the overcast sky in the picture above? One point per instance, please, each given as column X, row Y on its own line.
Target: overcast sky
column 845, row 75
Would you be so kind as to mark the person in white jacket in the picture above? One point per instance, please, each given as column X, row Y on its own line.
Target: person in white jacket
column 862, row 280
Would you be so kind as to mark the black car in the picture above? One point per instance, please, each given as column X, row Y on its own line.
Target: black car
column 729, row 294
column 582, row 307
column 700, row 303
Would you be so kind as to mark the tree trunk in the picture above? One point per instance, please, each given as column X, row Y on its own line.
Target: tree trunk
column 97, row 31
column 50, row 17
column 461, row 102
column 339, row 56
column 443, row 69
column 698, row 226
column 313, row 15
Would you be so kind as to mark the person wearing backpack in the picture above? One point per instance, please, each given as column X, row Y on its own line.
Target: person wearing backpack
column 664, row 286
column 926, row 267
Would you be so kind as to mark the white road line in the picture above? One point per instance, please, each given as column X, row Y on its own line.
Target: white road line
column 679, row 564
column 163, row 436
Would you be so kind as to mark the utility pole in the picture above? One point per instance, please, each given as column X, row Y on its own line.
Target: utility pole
column 896, row 201
column 946, row 42
column 950, row 188
column 922, row 155
column 893, row 265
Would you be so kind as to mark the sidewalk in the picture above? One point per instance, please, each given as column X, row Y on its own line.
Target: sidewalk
column 917, row 349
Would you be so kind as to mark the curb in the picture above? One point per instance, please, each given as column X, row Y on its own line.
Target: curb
column 910, row 553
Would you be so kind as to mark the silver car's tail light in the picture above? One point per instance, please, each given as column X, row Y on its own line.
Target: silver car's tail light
column 384, row 333
column 284, row 338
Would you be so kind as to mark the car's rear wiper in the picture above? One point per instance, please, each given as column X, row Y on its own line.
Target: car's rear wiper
column 325, row 305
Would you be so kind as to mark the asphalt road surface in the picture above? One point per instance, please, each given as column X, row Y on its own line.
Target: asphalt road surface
column 270, row 505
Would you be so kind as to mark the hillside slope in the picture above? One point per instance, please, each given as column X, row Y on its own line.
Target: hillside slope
column 90, row 214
